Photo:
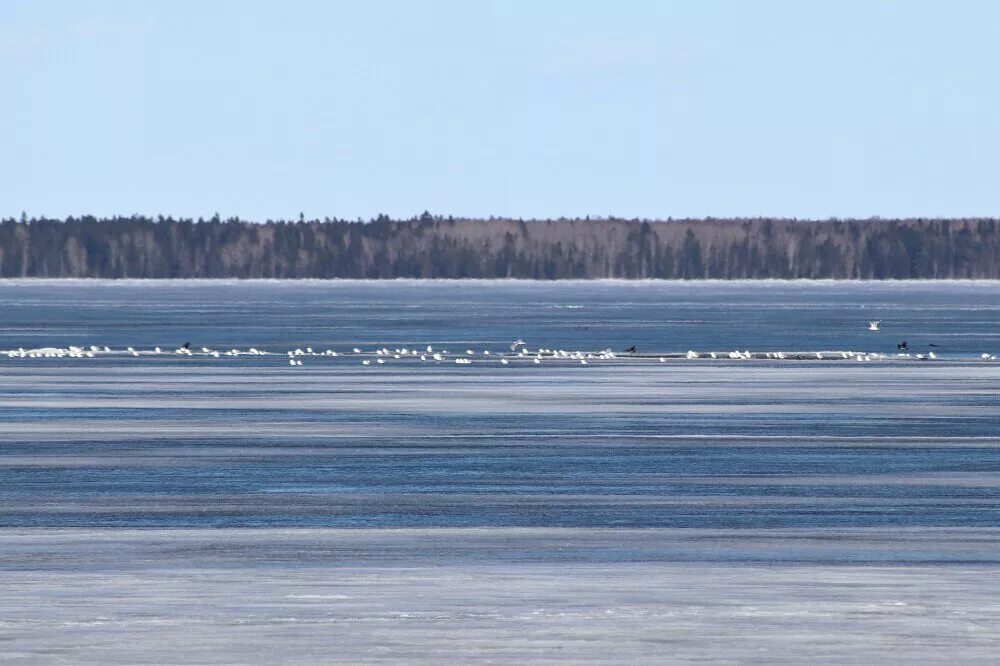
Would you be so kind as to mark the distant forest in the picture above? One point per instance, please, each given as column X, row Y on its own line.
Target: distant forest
column 428, row 246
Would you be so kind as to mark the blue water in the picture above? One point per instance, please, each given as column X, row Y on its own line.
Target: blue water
column 960, row 317
column 249, row 442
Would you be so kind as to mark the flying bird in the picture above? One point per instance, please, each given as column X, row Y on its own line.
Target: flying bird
column 630, row 350
column 873, row 324
column 902, row 346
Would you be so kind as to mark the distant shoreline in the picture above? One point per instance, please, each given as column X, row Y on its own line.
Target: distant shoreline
column 429, row 247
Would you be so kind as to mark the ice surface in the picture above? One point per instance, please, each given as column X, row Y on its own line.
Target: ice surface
column 320, row 597
column 196, row 511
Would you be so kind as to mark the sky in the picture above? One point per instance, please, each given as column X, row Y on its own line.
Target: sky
column 515, row 108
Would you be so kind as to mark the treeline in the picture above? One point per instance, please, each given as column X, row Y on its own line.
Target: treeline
column 434, row 247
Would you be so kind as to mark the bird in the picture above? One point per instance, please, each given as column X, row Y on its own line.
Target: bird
column 873, row 324
column 902, row 346
column 517, row 343
column 630, row 350
column 186, row 345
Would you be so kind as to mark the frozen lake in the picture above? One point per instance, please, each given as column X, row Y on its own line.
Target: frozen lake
column 237, row 510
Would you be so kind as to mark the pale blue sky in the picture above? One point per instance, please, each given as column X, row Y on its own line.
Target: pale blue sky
column 533, row 109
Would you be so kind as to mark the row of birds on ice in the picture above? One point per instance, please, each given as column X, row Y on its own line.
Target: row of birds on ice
column 519, row 351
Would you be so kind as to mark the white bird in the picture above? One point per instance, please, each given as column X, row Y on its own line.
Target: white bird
column 366, row 362
column 503, row 361
column 873, row 324
column 517, row 343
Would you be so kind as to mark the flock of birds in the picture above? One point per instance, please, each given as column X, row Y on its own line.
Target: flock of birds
column 518, row 352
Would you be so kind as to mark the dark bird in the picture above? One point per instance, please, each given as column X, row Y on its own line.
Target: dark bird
column 931, row 344
column 186, row 345
column 630, row 350
column 902, row 346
